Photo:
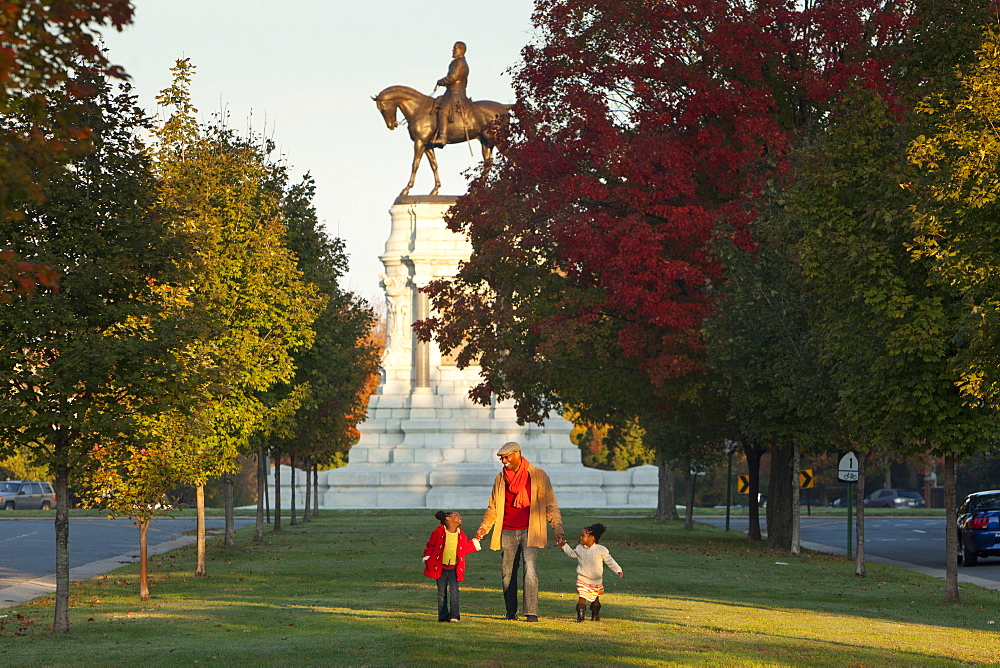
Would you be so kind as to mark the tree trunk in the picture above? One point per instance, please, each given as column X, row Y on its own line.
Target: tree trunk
column 143, row 560
column 230, row 540
column 277, row 492
column 315, row 490
column 753, row 454
column 258, row 529
column 666, row 500
column 860, row 569
column 60, row 623
column 689, row 511
column 779, row 499
column 291, row 486
column 951, row 531
column 199, row 495
column 307, row 467
column 796, row 510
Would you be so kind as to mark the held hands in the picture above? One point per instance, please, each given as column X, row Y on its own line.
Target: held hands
column 560, row 540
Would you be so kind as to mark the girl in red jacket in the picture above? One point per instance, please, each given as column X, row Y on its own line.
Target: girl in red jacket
column 444, row 560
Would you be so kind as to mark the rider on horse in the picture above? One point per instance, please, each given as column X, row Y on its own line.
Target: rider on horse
column 455, row 103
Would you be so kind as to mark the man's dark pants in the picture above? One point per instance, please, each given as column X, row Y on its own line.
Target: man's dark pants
column 513, row 549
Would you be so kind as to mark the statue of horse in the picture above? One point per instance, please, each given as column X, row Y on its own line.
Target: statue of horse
column 480, row 122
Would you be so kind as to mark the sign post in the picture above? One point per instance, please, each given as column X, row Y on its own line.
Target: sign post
column 730, row 449
column 806, row 483
column 847, row 471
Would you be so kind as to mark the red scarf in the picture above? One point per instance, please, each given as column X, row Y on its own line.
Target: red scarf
column 517, row 483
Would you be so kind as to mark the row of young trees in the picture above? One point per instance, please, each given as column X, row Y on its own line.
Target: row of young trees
column 198, row 315
column 761, row 222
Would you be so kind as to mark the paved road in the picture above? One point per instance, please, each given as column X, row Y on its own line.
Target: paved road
column 916, row 543
column 96, row 545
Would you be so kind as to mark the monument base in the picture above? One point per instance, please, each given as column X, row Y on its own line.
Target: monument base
column 425, row 444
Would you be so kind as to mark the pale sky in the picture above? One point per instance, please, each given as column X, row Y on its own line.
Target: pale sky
column 303, row 72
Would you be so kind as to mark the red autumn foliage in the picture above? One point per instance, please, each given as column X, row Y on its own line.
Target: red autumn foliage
column 43, row 45
column 18, row 278
column 641, row 129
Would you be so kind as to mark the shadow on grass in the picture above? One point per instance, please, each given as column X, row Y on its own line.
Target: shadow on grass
column 347, row 589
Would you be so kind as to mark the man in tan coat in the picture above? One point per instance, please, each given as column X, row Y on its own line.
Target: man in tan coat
column 520, row 504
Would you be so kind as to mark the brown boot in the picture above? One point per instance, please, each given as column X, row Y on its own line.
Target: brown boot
column 595, row 611
column 581, row 609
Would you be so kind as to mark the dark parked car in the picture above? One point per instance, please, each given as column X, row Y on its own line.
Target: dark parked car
column 894, row 498
column 979, row 527
column 26, row 495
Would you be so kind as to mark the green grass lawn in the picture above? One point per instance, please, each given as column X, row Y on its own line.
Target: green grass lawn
column 347, row 589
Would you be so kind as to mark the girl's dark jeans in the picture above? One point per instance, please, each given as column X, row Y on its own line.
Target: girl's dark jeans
column 448, row 604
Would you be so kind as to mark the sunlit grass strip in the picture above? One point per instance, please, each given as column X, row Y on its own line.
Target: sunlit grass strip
column 347, row 590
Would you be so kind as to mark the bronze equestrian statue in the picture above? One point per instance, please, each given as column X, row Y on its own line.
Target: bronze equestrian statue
column 450, row 119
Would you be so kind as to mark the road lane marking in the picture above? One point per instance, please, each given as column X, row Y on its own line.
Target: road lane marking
column 23, row 535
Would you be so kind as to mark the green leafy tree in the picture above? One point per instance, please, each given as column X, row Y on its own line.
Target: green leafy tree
column 956, row 222
column 759, row 344
column 337, row 368
column 18, row 466
column 248, row 305
column 69, row 363
column 891, row 334
column 131, row 478
column 611, row 447
column 956, row 238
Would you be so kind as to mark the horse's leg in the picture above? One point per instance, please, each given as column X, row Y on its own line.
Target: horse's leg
column 487, row 155
column 431, row 158
column 418, row 152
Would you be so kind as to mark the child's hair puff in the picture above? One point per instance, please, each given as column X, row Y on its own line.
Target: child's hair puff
column 595, row 530
column 441, row 514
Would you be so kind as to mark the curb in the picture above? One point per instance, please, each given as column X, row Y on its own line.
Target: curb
column 19, row 593
column 923, row 570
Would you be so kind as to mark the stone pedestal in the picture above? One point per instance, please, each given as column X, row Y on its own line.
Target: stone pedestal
column 424, row 443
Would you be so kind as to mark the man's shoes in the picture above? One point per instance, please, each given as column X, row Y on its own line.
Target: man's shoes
column 510, row 617
column 453, row 619
column 531, row 618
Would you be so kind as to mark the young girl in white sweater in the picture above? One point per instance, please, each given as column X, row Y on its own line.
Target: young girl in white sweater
column 591, row 558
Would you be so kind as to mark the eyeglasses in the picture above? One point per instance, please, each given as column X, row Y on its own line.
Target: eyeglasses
column 507, row 456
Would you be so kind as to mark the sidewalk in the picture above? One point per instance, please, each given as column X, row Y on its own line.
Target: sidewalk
column 938, row 573
column 19, row 593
